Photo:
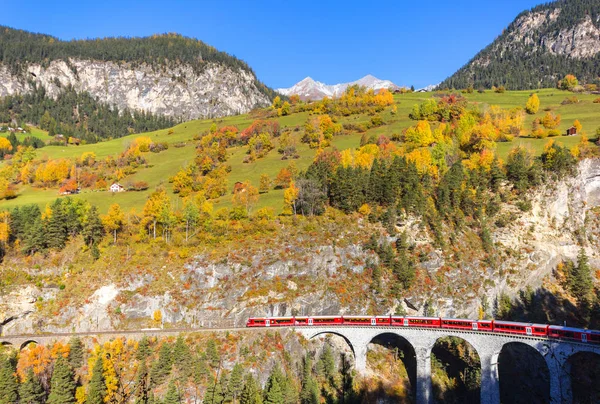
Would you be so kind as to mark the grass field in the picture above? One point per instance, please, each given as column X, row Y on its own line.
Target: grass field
column 165, row 164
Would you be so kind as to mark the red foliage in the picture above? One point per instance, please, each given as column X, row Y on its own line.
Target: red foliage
column 260, row 126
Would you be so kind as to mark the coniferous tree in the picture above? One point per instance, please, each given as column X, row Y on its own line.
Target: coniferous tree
column 9, row 386
column 62, row 383
column 236, row 382
column 75, row 352
column 251, row 393
column 581, row 283
column 97, row 386
column 309, row 394
column 172, row 396
column 141, row 384
column 31, row 390
column 212, row 355
column 143, row 350
column 93, row 230
column 273, row 394
column 56, row 229
column 35, row 237
column 162, row 367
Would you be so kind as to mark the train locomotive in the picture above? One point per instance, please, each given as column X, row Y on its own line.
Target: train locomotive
column 489, row 326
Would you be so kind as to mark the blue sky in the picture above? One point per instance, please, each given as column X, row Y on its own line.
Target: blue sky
column 409, row 42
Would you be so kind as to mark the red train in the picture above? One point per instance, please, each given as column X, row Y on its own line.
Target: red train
column 493, row 326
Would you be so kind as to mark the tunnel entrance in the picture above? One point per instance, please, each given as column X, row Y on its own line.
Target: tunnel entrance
column 585, row 377
column 523, row 374
column 392, row 360
column 455, row 371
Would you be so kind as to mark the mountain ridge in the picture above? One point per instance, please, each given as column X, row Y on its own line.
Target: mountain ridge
column 309, row 89
column 169, row 75
column 538, row 48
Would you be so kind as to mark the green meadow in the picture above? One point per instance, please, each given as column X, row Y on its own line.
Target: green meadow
column 163, row 165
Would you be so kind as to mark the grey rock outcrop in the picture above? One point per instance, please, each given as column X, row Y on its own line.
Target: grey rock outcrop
column 176, row 91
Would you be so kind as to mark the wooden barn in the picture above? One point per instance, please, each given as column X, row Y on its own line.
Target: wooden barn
column 572, row 131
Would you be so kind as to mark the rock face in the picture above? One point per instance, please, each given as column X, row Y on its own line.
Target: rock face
column 176, row 91
column 309, row 89
column 538, row 48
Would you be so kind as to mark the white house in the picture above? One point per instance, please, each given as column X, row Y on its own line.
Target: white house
column 116, row 187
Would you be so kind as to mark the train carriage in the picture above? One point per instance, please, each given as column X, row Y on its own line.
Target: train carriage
column 326, row 320
column 529, row 329
column 457, row 323
column 574, row 334
column 430, row 322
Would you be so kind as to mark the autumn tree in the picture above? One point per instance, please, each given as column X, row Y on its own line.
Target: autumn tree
column 289, row 197
column 568, row 82
column 533, row 104
column 245, row 197
column 5, row 145
column 113, row 221
column 419, row 135
column 265, row 184
column 577, row 125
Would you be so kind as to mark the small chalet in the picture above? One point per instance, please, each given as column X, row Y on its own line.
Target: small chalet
column 116, row 187
column 572, row 131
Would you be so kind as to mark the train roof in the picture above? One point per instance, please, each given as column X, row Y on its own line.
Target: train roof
column 520, row 324
column 574, row 329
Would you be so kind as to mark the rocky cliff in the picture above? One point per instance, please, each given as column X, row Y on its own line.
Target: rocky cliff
column 167, row 74
column 538, row 48
column 176, row 90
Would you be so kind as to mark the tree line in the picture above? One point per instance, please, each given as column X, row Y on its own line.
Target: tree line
column 163, row 372
column 77, row 115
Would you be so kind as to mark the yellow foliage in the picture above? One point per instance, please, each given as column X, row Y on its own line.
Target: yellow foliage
column 577, row 125
column 422, row 159
column 289, row 197
column 419, row 135
column 5, row 144
column 365, row 209
column 143, row 143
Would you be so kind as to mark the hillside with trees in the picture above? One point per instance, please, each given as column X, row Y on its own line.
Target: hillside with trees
column 538, row 48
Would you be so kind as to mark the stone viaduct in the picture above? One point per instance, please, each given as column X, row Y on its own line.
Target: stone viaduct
column 555, row 353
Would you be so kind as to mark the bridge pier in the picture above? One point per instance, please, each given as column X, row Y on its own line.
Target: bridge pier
column 424, row 386
column 490, row 384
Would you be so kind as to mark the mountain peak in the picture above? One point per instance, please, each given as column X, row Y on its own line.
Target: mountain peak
column 309, row 89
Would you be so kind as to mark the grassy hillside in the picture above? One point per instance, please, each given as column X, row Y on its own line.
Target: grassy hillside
column 165, row 164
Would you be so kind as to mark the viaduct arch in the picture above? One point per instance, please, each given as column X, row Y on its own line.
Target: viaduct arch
column 488, row 346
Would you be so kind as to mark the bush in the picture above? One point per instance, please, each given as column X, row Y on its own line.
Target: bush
column 570, row 100
column 524, row 206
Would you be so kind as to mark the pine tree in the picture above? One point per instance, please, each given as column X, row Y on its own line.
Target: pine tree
column 56, row 229
column 62, row 383
column 31, row 390
column 141, row 384
column 93, row 230
column 211, row 354
column 274, row 394
column 251, row 393
column 162, row 367
column 97, row 386
column 75, row 352
column 143, row 350
column 309, row 394
column 235, row 382
column 8, row 381
column 172, row 396
column 182, row 356
column 581, row 283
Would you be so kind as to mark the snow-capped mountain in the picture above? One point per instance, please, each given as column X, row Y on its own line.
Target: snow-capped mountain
column 428, row 88
column 309, row 89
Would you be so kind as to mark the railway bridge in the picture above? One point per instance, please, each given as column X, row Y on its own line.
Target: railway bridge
column 420, row 343
column 555, row 353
